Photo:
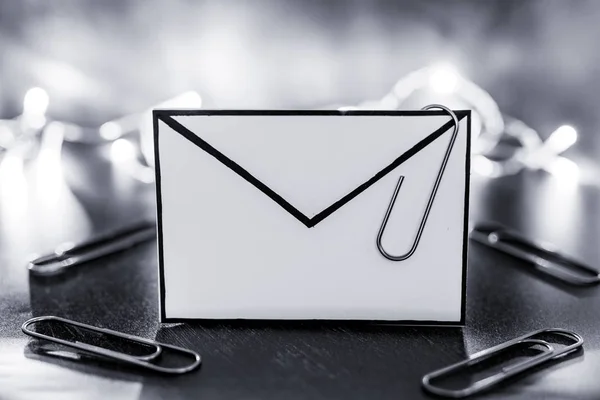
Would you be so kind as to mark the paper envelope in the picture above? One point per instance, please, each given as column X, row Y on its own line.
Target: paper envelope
column 275, row 215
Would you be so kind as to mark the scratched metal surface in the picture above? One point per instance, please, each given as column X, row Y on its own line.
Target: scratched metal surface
column 275, row 360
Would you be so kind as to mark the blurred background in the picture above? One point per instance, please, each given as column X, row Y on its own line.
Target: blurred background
column 89, row 71
column 101, row 60
column 98, row 61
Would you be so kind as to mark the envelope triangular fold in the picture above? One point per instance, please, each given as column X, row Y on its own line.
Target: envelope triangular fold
column 314, row 163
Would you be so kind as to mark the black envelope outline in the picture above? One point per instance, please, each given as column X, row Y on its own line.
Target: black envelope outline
column 309, row 222
column 165, row 116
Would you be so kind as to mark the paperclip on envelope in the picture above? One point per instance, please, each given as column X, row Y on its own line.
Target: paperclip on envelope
column 276, row 214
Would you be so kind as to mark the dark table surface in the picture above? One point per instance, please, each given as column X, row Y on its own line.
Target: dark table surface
column 49, row 201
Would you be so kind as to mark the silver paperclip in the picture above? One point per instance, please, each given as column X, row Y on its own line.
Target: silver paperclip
column 486, row 383
column 139, row 361
column 436, row 185
column 68, row 255
column 543, row 256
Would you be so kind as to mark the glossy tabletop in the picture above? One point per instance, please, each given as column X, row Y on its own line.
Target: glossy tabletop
column 75, row 193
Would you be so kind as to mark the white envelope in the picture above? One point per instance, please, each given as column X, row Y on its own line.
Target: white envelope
column 275, row 214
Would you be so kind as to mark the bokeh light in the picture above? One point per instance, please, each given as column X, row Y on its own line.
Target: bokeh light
column 122, row 151
column 444, row 78
column 35, row 102
column 561, row 139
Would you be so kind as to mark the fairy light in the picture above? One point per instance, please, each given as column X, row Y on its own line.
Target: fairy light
column 483, row 166
column 443, row 78
column 35, row 102
column 111, row 130
column 7, row 136
column 35, row 105
column 564, row 169
column 122, row 151
column 561, row 139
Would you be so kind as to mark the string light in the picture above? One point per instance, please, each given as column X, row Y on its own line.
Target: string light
column 483, row 166
column 35, row 102
column 122, row 151
column 35, row 105
column 110, row 131
column 561, row 139
column 564, row 169
column 444, row 78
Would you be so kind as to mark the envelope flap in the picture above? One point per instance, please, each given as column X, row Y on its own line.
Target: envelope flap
column 311, row 164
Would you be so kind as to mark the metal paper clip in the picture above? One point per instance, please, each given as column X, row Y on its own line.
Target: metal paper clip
column 436, row 185
column 486, row 383
column 68, row 255
column 140, row 361
column 545, row 259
